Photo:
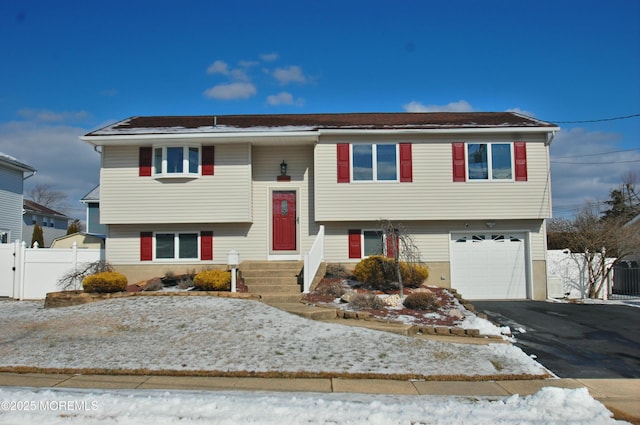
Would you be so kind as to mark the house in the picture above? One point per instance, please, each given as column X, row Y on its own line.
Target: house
column 54, row 223
column 473, row 190
column 92, row 202
column 12, row 176
column 81, row 239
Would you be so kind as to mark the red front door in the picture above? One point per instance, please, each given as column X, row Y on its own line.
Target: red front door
column 284, row 221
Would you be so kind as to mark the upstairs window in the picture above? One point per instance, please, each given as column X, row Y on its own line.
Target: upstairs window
column 375, row 162
column 176, row 160
column 489, row 161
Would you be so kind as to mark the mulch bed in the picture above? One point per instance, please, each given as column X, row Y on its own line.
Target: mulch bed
column 446, row 301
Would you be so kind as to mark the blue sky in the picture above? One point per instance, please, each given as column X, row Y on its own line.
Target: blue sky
column 69, row 67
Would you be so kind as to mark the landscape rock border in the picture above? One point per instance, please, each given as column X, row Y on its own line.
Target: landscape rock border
column 71, row 298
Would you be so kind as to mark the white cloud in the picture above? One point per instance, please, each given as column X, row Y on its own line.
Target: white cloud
column 218, row 67
column 521, row 112
column 230, row 91
column 586, row 167
column 284, row 98
column 460, row 106
column 61, row 158
column 292, row 74
column 269, row 57
column 47, row 116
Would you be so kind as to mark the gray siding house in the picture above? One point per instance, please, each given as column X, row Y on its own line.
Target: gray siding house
column 12, row 176
column 53, row 223
column 473, row 189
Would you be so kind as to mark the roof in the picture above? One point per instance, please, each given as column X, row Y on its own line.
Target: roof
column 14, row 163
column 34, row 207
column 94, row 195
column 314, row 122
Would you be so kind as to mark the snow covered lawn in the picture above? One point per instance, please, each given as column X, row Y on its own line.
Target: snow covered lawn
column 550, row 406
column 229, row 336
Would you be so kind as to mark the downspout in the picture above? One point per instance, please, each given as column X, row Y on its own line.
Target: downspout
column 550, row 137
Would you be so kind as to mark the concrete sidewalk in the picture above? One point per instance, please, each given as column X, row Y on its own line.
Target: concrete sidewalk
column 621, row 396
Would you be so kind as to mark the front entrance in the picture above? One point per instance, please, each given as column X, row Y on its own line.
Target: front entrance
column 284, row 218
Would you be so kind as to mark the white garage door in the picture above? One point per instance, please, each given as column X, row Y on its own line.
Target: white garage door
column 489, row 266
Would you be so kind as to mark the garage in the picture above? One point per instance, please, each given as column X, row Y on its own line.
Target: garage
column 489, row 265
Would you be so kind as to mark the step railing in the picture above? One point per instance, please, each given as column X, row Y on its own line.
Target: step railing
column 313, row 259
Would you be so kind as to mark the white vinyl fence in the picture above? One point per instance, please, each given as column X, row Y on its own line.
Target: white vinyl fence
column 567, row 275
column 29, row 273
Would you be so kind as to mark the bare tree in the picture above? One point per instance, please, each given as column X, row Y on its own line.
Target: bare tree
column 602, row 243
column 400, row 247
column 44, row 194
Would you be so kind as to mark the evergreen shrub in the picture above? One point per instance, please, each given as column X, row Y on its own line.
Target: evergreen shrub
column 421, row 301
column 212, row 280
column 378, row 272
column 105, row 282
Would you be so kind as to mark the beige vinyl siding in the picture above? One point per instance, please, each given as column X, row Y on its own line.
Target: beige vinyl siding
column 128, row 198
column 266, row 168
column 251, row 240
column 433, row 237
column 432, row 195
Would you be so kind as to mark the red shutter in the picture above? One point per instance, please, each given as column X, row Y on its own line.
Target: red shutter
column 146, row 246
column 520, row 156
column 391, row 253
column 145, row 161
column 206, row 245
column 459, row 164
column 208, row 159
column 343, row 163
column 406, row 166
column 355, row 249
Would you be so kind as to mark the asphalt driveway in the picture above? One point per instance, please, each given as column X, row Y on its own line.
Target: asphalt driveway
column 573, row 340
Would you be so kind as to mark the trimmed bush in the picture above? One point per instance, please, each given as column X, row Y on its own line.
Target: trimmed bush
column 421, row 301
column 378, row 272
column 105, row 282
column 375, row 271
column 212, row 280
column 413, row 275
column 366, row 302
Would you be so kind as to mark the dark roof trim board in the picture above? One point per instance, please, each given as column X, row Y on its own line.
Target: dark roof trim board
column 32, row 207
column 318, row 122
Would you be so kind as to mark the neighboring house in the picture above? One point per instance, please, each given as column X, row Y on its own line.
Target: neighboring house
column 92, row 202
column 473, row 189
column 12, row 176
column 81, row 239
column 54, row 224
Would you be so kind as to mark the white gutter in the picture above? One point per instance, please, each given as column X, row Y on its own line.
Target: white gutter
column 482, row 130
column 220, row 137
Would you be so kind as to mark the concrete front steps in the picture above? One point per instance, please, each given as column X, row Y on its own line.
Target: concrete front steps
column 275, row 281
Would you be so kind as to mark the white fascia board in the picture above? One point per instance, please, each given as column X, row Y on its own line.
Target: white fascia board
column 473, row 130
column 253, row 137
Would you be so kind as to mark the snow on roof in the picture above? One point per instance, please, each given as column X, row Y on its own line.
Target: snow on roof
column 315, row 122
column 14, row 162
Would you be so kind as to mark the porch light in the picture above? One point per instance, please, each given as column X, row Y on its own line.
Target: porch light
column 283, row 168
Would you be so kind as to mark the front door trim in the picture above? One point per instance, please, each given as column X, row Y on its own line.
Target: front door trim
column 280, row 254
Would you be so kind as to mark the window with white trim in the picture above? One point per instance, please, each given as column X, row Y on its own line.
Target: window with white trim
column 374, row 162
column 176, row 161
column 170, row 246
column 489, row 161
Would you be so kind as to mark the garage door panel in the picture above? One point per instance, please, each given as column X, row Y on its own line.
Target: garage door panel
column 488, row 266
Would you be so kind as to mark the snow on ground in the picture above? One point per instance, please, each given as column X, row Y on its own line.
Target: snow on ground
column 228, row 335
column 550, row 406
